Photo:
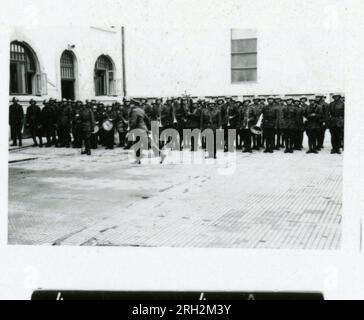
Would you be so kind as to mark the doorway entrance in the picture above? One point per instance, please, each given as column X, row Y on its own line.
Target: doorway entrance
column 68, row 89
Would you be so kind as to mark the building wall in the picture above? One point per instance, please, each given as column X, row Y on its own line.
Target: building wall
column 174, row 60
column 198, row 60
column 49, row 44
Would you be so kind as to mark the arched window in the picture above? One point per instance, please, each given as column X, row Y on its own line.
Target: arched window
column 23, row 69
column 68, row 78
column 67, row 66
column 104, row 76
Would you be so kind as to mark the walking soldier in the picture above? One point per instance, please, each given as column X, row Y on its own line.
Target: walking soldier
column 139, row 121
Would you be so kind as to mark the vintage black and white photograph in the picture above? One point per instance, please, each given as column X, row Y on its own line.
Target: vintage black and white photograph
column 175, row 148
column 196, row 137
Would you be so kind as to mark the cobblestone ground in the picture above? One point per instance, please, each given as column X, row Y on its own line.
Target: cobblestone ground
column 287, row 201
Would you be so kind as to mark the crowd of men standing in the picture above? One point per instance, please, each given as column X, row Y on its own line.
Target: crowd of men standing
column 91, row 124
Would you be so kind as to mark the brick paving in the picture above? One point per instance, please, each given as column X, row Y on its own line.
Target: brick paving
column 277, row 201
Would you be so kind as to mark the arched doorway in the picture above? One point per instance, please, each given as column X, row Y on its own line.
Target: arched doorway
column 23, row 69
column 68, row 78
column 104, row 76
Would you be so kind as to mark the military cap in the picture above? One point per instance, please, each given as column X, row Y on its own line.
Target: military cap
column 303, row 98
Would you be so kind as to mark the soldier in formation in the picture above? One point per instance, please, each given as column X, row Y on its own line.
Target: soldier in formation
column 261, row 122
column 16, row 122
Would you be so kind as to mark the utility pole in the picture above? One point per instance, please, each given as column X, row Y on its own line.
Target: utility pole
column 123, row 60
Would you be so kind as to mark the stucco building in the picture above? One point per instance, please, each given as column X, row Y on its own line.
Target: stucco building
column 107, row 63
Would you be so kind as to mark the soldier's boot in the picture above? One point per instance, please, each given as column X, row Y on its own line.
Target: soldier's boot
column 136, row 161
column 163, row 156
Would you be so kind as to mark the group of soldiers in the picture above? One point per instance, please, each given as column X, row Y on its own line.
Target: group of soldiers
column 271, row 123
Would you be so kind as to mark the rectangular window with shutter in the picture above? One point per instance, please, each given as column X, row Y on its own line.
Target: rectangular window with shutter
column 244, row 56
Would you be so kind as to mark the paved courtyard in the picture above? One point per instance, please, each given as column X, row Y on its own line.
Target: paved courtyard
column 280, row 201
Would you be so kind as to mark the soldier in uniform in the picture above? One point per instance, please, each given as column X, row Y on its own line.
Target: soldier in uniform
column 325, row 110
column 16, row 120
column 240, row 127
column 87, row 125
column 224, row 108
column 279, row 105
column 94, row 135
column 336, row 121
column 313, row 115
column 110, row 115
column 179, row 117
column 56, row 107
column 269, row 124
column 301, row 107
column 48, row 120
column 211, row 119
column 193, row 118
column 256, row 138
column 126, row 111
column 76, row 125
column 122, row 125
column 34, row 122
column 248, row 118
column 138, row 120
column 289, row 125
column 146, row 107
column 64, row 125
column 261, row 138
column 155, row 116
column 167, row 119
column 231, row 121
